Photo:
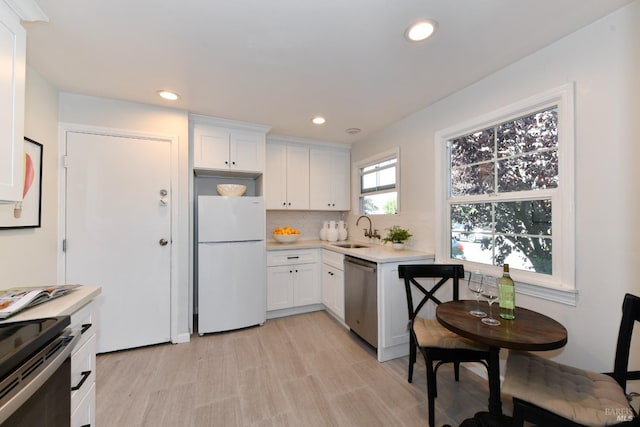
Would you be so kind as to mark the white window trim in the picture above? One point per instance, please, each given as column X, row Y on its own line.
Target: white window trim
column 560, row 286
column 395, row 152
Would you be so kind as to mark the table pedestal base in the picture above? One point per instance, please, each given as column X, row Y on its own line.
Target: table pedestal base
column 485, row 419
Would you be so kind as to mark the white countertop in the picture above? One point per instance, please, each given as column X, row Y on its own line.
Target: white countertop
column 61, row 306
column 373, row 252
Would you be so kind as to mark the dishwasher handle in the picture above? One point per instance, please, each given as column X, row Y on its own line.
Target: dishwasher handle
column 361, row 264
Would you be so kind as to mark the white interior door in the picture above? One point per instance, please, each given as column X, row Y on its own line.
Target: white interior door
column 117, row 223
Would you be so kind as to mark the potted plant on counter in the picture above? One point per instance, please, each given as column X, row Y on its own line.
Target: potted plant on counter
column 397, row 236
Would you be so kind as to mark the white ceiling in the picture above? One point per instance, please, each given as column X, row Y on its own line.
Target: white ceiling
column 280, row 62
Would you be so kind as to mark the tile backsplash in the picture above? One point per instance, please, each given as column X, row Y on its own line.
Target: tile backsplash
column 308, row 222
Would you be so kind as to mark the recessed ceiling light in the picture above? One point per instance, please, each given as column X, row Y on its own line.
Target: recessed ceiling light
column 318, row 120
column 171, row 96
column 420, row 31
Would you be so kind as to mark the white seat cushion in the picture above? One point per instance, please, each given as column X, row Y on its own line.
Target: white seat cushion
column 585, row 397
column 430, row 333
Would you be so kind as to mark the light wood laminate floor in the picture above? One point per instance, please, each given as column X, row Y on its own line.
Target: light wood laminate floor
column 303, row 370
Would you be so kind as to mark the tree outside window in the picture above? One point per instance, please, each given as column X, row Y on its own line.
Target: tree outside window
column 502, row 181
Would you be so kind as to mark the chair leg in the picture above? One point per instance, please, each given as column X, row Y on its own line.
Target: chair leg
column 456, row 370
column 432, row 393
column 517, row 420
column 412, row 359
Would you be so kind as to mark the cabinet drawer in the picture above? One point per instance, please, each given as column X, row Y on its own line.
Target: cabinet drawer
column 291, row 257
column 84, row 414
column 84, row 320
column 334, row 259
column 83, row 371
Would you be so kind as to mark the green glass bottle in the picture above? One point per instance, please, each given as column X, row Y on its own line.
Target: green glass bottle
column 507, row 291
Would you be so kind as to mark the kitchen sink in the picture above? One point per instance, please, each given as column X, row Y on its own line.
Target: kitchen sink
column 349, row 245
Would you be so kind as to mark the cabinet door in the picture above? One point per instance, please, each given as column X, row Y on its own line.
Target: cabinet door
column 320, row 179
column 338, row 286
column 287, row 180
column 333, row 290
column 393, row 306
column 306, row 286
column 276, row 177
column 330, row 180
column 83, row 363
column 12, row 84
column 297, row 177
column 211, row 148
column 246, row 152
column 341, row 184
column 85, row 413
column 328, row 294
column 280, row 287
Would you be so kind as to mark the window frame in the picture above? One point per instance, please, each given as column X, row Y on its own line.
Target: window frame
column 560, row 285
column 370, row 161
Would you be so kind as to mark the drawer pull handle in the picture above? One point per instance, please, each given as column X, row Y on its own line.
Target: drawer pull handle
column 85, row 375
column 86, row 425
column 293, row 257
column 85, row 327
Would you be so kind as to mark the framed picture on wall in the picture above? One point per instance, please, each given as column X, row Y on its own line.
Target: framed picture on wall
column 26, row 213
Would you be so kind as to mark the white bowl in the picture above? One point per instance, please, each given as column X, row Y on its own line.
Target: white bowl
column 231, row 189
column 286, row 238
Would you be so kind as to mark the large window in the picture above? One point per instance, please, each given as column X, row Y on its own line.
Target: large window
column 508, row 189
column 379, row 184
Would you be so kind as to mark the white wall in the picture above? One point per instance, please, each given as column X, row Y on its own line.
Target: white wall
column 603, row 60
column 139, row 118
column 29, row 255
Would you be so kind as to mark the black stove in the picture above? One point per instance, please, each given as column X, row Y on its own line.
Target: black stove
column 20, row 340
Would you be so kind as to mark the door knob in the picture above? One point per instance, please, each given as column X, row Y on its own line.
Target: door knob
column 163, row 242
column 163, row 197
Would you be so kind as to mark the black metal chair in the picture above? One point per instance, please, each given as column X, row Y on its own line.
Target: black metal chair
column 551, row 394
column 436, row 343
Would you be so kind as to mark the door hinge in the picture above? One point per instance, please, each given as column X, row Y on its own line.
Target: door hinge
column 64, row 245
column 65, row 161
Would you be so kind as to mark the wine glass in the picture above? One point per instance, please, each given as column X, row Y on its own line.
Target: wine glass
column 490, row 293
column 476, row 287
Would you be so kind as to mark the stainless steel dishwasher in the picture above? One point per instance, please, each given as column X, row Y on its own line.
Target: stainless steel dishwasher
column 361, row 298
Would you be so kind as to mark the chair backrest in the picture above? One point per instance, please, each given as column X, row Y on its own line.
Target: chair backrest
column 444, row 272
column 630, row 315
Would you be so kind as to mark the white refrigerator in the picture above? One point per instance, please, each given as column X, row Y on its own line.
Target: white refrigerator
column 231, row 263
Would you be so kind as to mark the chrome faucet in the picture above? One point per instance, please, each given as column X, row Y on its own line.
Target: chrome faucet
column 369, row 232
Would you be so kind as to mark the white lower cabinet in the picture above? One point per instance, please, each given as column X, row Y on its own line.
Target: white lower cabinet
column 393, row 337
column 333, row 283
column 83, row 367
column 292, row 279
column 84, row 414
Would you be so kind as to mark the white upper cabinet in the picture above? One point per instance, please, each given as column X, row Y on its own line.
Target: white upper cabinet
column 228, row 150
column 246, row 151
column 329, row 179
column 240, row 148
column 12, row 85
column 287, row 176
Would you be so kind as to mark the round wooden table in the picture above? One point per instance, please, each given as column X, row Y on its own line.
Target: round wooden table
column 529, row 331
